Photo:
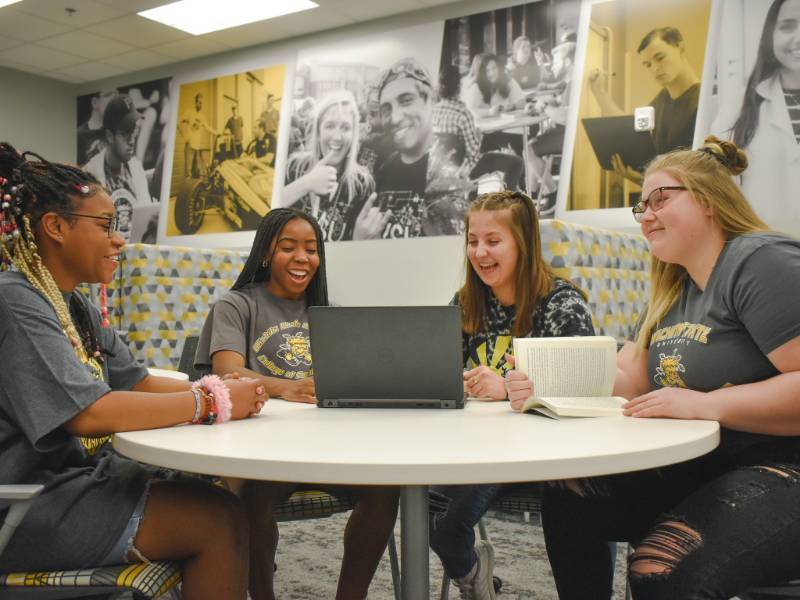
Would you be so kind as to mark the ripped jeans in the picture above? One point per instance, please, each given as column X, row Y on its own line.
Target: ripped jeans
column 705, row 529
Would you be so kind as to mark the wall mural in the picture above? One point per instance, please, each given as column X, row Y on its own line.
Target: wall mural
column 122, row 134
column 637, row 54
column 391, row 134
column 757, row 102
column 223, row 163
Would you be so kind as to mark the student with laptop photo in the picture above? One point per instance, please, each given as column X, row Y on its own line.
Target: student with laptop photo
column 663, row 53
column 260, row 329
column 719, row 342
column 510, row 291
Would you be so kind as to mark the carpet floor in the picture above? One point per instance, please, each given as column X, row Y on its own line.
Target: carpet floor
column 310, row 553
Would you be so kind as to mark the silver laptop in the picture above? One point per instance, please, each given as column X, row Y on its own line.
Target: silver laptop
column 389, row 357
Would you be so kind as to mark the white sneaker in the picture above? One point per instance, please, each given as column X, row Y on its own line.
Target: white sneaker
column 479, row 584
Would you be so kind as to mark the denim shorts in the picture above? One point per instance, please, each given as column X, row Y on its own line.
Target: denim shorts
column 118, row 555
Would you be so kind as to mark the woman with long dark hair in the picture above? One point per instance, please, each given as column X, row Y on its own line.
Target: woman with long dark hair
column 768, row 125
column 491, row 90
column 260, row 329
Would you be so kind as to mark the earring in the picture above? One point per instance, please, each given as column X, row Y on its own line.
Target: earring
column 265, row 263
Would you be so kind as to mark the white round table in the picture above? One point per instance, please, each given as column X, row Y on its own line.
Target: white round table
column 413, row 448
column 168, row 373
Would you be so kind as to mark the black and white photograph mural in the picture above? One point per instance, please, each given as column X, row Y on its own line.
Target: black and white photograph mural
column 392, row 134
column 361, row 136
column 121, row 141
column 757, row 102
column 514, row 76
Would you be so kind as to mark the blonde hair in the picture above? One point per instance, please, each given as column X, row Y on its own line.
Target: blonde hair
column 534, row 279
column 355, row 178
column 707, row 174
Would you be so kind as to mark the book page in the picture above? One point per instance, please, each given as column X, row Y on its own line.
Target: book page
column 568, row 367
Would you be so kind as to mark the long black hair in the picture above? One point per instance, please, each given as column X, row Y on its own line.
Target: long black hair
column 766, row 66
column 484, row 85
column 270, row 228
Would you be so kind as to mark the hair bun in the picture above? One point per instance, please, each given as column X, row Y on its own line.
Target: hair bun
column 10, row 160
column 729, row 154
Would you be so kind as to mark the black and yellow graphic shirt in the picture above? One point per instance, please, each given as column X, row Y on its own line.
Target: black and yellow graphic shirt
column 271, row 333
column 563, row 312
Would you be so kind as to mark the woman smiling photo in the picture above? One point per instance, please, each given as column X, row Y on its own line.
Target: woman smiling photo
column 768, row 123
column 326, row 181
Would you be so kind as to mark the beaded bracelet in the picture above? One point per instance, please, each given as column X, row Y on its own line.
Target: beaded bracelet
column 217, row 399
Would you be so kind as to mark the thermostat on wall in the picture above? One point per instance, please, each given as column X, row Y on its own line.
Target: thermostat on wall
column 644, row 118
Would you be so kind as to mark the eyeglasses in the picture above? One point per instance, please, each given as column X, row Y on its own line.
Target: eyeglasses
column 655, row 201
column 111, row 228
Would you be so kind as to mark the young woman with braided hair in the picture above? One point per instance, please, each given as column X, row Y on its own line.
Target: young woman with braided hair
column 67, row 382
column 720, row 341
column 260, row 329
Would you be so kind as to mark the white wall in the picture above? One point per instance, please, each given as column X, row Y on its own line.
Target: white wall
column 38, row 114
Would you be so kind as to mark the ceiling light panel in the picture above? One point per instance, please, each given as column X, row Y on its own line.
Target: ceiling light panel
column 204, row 16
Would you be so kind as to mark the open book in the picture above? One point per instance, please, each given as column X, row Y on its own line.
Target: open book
column 572, row 376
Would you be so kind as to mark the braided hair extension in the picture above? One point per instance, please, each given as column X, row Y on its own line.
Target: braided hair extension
column 28, row 190
column 257, row 267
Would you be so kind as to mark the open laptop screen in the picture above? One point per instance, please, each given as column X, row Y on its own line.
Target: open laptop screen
column 398, row 356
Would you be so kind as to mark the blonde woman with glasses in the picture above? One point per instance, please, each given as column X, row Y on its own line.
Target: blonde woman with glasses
column 720, row 341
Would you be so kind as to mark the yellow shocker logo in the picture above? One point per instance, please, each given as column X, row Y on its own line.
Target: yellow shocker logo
column 669, row 369
column 295, row 349
column 92, row 445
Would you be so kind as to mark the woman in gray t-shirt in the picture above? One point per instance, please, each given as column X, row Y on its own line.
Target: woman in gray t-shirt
column 260, row 329
column 720, row 341
column 67, row 383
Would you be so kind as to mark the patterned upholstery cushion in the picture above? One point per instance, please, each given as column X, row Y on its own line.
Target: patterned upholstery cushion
column 146, row 580
column 312, row 504
column 612, row 268
column 161, row 294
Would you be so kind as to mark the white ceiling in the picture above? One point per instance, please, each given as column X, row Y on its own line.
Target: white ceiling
column 105, row 38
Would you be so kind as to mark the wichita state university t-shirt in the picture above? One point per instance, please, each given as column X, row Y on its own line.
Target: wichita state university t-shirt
column 721, row 336
column 270, row 332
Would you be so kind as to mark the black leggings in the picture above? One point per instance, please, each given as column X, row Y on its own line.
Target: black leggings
column 705, row 529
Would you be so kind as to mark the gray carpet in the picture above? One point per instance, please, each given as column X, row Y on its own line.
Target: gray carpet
column 310, row 553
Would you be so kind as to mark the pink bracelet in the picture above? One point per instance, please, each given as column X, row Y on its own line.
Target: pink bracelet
column 220, row 398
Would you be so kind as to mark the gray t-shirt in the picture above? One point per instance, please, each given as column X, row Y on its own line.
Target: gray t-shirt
column 90, row 492
column 721, row 336
column 271, row 333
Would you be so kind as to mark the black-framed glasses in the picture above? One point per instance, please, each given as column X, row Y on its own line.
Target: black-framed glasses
column 655, row 201
column 113, row 222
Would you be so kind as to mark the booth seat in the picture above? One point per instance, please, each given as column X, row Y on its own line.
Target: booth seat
column 161, row 294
